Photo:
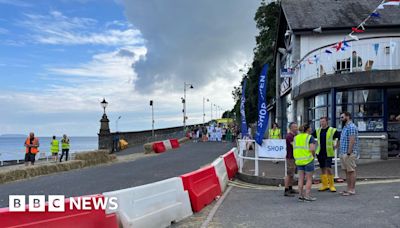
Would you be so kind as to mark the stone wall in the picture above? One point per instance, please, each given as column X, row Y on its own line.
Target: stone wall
column 373, row 148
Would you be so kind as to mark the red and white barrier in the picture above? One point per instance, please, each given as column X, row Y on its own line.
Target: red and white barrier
column 220, row 169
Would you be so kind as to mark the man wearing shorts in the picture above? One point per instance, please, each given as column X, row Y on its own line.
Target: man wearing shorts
column 291, row 167
column 349, row 152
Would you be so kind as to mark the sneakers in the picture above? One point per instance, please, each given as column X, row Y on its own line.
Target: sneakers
column 309, row 198
column 300, row 199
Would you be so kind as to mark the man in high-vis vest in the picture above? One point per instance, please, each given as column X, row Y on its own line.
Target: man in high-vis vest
column 304, row 153
column 54, row 148
column 274, row 132
column 325, row 151
column 64, row 147
column 32, row 148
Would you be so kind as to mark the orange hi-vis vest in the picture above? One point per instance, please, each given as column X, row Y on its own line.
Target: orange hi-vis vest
column 35, row 142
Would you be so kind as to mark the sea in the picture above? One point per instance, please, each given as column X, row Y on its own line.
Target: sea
column 12, row 148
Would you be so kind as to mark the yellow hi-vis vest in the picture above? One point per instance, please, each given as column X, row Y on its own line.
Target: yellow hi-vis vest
column 65, row 143
column 274, row 134
column 55, row 146
column 329, row 141
column 301, row 149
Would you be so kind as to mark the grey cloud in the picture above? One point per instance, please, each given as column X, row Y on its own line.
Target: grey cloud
column 193, row 41
column 125, row 53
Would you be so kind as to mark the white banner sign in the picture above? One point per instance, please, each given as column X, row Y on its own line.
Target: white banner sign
column 272, row 148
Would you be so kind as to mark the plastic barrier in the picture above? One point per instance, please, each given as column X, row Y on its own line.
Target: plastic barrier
column 152, row 205
column 70, row 218
column 167, row 144
column 123, row 144
column 174, row 143
column 203, row 187
column 220, row 169
column 158, row 147
column 236, row 152
column 230, row 164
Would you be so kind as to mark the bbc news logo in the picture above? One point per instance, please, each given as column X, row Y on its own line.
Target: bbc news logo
column 57, row 203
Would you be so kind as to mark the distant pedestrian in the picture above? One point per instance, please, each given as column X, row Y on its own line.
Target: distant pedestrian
column 291, row 167
column 274, row 133
column 304, row 154
column 32, row 148
column 349, row 152
column 325, row 151
column 64, row 147
column 55, row 148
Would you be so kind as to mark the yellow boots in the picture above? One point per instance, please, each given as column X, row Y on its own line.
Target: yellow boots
column 324, row 182
column 331, row 183
column 327, row 182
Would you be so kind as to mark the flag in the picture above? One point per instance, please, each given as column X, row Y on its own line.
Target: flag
column 328, row 52
column 242, row 111
column 262, row 122
column 377, row 15
column 356, row 30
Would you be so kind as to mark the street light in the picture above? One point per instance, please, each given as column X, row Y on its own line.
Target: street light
column 204, row 113
column 116, row 123
column 104, row 104
column 184, row 102
column 152, row 118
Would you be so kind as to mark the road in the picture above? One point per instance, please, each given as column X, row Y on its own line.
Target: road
column 187, row 158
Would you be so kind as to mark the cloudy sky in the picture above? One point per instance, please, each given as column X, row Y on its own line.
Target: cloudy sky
column 59, row 59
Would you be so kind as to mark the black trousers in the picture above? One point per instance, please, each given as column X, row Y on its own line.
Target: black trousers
column 29, row 157
column 64, row 151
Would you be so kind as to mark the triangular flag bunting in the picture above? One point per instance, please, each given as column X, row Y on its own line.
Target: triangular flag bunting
column 354, row 37
column 356, row 30
column 377, row 15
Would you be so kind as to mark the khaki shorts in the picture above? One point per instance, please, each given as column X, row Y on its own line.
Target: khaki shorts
column 348, row 163
column 291, row 167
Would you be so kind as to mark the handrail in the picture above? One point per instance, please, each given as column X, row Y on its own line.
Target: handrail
column 372, row 136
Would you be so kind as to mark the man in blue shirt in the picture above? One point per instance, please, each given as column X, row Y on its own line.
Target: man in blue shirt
column 349, row 152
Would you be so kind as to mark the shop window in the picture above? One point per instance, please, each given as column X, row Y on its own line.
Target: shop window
column 393, row 125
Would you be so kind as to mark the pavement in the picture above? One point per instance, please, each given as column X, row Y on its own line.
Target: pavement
column 143, row 170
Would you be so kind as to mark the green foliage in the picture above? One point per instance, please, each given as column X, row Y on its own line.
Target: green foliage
column 266, row 18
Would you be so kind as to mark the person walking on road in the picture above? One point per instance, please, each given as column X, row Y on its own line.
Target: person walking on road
column 32, row 148
column 55, row 148
column 291, row 167
column 325, row 151
column 304, row 153
column 64, row 147
column 349, row 152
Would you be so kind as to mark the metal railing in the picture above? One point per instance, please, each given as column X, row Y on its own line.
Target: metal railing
column 372, row 54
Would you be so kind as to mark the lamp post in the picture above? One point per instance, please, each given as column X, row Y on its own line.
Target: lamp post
column 152, row 117
column 104, row 133
column 211, row 105
column 116, row 123
column 184, row 102
column 204, row 113
column 104, row 104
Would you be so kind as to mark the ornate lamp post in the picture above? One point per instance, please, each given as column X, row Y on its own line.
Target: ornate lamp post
column 184, row 102
column 105, row 141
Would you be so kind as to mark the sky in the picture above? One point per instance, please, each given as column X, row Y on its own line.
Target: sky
column 60, row 58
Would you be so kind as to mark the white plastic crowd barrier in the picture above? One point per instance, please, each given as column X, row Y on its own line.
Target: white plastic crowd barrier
column 220, row 169
column 167, row 144
column 236, row 152
column 152, row 205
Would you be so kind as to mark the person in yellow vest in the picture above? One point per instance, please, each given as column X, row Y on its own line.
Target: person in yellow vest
column 274, row 133
column 54, row 148
column 64, row 147
column 304, row 153
column 325, row 151
column 32, row 148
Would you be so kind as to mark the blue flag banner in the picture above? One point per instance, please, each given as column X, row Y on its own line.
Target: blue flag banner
column 262, row 122
column 242, row 112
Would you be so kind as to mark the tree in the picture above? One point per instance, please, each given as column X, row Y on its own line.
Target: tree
column 266, row 18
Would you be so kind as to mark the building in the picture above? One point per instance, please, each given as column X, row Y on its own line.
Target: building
column 330, row 72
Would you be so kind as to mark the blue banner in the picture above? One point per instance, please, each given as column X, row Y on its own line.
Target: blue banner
column 262, row 122
column 242, row 112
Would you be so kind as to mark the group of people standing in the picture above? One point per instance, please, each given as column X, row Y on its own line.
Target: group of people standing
column 211, row 132
column 303, row 146
column 32, row 148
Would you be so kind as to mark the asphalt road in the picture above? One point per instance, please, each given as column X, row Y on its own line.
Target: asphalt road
column 375, row 205
column 189, row 157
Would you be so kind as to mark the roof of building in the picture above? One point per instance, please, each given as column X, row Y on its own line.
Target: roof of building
column 337, row 14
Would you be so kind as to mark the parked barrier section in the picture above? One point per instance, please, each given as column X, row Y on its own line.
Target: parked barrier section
column 167, row 144
column 220, row 169
column 158, row 147
column 231, row 164
column 152, row 205
column 174, row 143
column 70, row 218
column 203, row 187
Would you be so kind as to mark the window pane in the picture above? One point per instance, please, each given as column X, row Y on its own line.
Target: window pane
column 339, row 124
column 310, row 114
column 393, row 105
column 343, row 108
column 320, row 100
column 372, row 110
column 329, row 112
column 344, row 97
column 363, row 96
column 369, row 124
column 311, row 102
column 320, row 112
